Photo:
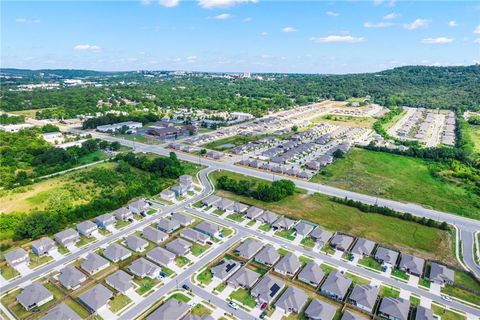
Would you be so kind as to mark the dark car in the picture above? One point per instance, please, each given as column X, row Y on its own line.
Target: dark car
column 263, row 306
column 263, row 314
column 186, row 287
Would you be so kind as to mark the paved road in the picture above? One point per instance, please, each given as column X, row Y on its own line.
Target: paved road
column 468, row 239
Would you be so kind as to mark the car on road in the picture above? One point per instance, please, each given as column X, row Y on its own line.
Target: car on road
column 209, row 243
column 263, row 306
column 263, row 314
column 186, row 287
column 446, row 298
column 233, row 305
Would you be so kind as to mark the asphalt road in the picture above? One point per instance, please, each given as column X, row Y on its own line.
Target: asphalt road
column 467, row 250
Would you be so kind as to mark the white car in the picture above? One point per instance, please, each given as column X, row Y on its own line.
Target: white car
column 233, row 305
column 446, row 298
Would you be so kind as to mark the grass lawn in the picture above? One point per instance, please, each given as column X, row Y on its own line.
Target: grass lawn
column 327, row 268
column 265, row 227
column 92, row 157
column 308, row 242
column 36, row 261
column 424, row 282
column 445, row 314
column 221, row 287
column 226, row 232
column 286, row 234
column 104, row 232
column 282, row 251
column 63, row 250
column 243, row 296
column 356, row 279
column 230, row 142
column 200, row 310
column 84, row 241
column 145, row 285
column 198, row 204
column 341, row 120
column 8, row 272
column 151, row 211
column 218, row 212
column 371, row 263
column 119, row 302
column 328, row 249
column 167, row 271
column 181, row 261
column 180, row 297
column 389, row 292
column 415, row 301
column 198, row 249
column 394, row 176
column 251, row 223
column 474, row 132
column 461, row 294
column 237, row 217
column 121, row 224
column 400, row 274
column 258, row 267
column 407, row 237
column 205, row 277
column 304, row 260
column 465, row 279
column 77, row 307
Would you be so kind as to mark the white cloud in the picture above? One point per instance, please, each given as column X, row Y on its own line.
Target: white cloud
column 382, row 24
column 264, row 33
column 336, row 38
column 477, row 30
column 222, row 16
column 477, row 41
column 391, row 16
column 439, row 40
column 27, row 21
column 389, row 3
column 332, row 14
column 289, row 29
column 248, row 19
column 87, row 47
column 208, row 4
column 452, row 23
column 418, row 23
column 168, row 3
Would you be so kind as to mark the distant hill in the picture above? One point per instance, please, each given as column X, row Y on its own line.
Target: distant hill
column 56, row 73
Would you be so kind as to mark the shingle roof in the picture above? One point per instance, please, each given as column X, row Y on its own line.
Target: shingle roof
column 386, row 255
column 267, row 217
column 337, row 284
column 179, row 246
column 268, row 255
column 194, row 235
column 267, row 288
column 397, row 308
column 441, row 273
column 167, row 224
column 154, row 235
column 320, row 310
column 288, row 264
column 423, row 314
column 97, row 297
column 349, row 315
column 86, row 225
column 135, row 243
column 320, row 235
column 120, row 281
column 363, row 247
column 32, row 294
column 253, row 212
column 284, row 223
column 173, row 309
column 311, row 273
column 183, row 219
column 412, row 263
column 66, row 234
column 365, row 295
column 225, row 268
column 303, row 228
column 207, row 227
column 161, row 256
column 93, row 262
column 61, row 312
column 292, row 299
column 71, row 277
column 15, row 254
column 143, row 267
column 244, row 277
column 211, row 200
column 341, row 241
column 249, row 248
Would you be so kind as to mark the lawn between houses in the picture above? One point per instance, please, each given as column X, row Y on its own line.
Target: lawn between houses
column 406, row 236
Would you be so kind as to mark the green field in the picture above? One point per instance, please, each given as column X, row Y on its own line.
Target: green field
column 400, row 178
column 235, row 141
column 407, row 237
column 341, row 120
column 473, row 131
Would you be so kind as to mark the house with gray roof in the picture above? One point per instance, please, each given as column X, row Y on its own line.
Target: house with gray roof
column 67, row 237
column 93, row 263
column 71, row 278
column 168, row 195
column 139, row 206
column 320, row 236
column 253, row 212
column 311, row 274
column 179, row 246
column 168, row 225
column 61, row 312
column 194, row 236
column 173, row 309
column 239, row 207
column 244, row 278
column 386, row 256
column 143, row 268
column 424, row 314
column 267, row 289
column 267, row 217
column 249, row 248
column 349, row 315
column 363, row 247
column 225, row 268
column 225, row 204
column 303, row 228
column 186, row 180
column 268, row 255
column 440, row 274
column 123, row 214
column 336, row 285
column 208, row 228
column 34, row 295
column 161, row 256
column 120, row 281
column 341, row 241
column 411, row 264
column 106, row 221
column 292, row 300
column 283, row 223
column 320, row 310
column 364, row 297
column 184, row 219
column 87, row 228
column 115, row 252
column 16, row 257
column 135, row 243
column 154, row 235
column 288, row 265
column 96, row 298
column 210, row 201
column 43, row 246
column 394, row 308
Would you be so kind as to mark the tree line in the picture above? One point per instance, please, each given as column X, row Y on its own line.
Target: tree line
column 6, row 119
column 92, row 123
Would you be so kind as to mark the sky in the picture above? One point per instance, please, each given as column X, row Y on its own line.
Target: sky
column 239, row 35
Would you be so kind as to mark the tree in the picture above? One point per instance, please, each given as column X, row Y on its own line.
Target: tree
column 295, row 128
column 338, row 154
column 115, row 146
column 203, row 152
column 50, row 128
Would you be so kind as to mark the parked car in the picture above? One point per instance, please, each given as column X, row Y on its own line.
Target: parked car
column 209, row 243
column 263, row 306
column 446, row 298
column 263, row 314
column 186, row 287
column 233, row 305
column 163, row 274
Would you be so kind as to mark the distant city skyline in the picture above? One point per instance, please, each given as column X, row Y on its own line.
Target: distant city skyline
column 239, row 35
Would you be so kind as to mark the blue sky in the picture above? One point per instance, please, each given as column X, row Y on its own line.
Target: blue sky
column 239, row 35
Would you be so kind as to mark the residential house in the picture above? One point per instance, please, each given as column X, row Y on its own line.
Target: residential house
column 96, row 298
column 123, row 214
column 161, row 256
column 34, row 295
column 386, row 256
column 292, row 300
column 349, row 315
column 424, row 314
column 311, row 274
column 364, row 297
column 154, row 235
column 93, row 263
column 239, row 207
column 61, row 312
column 120, row 281
column 180, row 190
column 173, row 309
column 341, row 242
column 184, row 219
column 440, row 274
column 363, row 247
column 87, row 228
column 267, row 289
column 106, row 221
column 394, row 308
column 194, row 236
column 336, row 285
column 16, row 257
column 187, row 181
column 143, row 268
column 303, row 228
column 249, row 248
column 115, row 252
column 411, row 264
column 43, row 246
column 320, row 236
column 225, row 204
column 288, row 265
column 320, row 310
column 139, row 206
column 168, row 225
column 179, row 246
column 267, row 217
column 244, row 278
column 225, row 268
column 135, row 243
column 210, row 201
column 268, row 255
column 208, row 228
column 253, row 212
column 67, row 237
column 283, row 223
column 168, row 195
column 71, row 278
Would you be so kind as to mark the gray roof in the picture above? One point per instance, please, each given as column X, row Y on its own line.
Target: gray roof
column 208, row 227
column 70, row 277
column 386, row 255
column 244, row 277
column 65, row 235
column 179, row 246
column 349, row 315
column 267, row 217
column 412, row 264
column 168, row 225
column 142, row 267
column 97, row 297
column 365, row 295
column 267, row 288
column 341, row 241
column 288, row 264
column 240, row 207
column 139, row 204
column 86, row 225
column 93, row 262
column 225, row 204
column 363, row 247
column 120, row 281
column 311, row 273
column 423, row 314
column 268, row 255
column 194, row 235
column 397, row 308
column 292, row 299
column 337, row 284
column 195, row 317
column 135, row 243
column 15, row 254
column 106, row 218
column 61, row 312
column 320, row 235
column 225, row 268
column 32, row 294
column 154, row 235
column 284, row 223
column 173, row 309
column 320, row 310
column 440, row 273
column 183, row 219
column 211, row 200
column 121, row 213
column 116, row 252
column 303, row 228
column 249, row 248
column 253, row 212
column 161, row 256
column 43, row 244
